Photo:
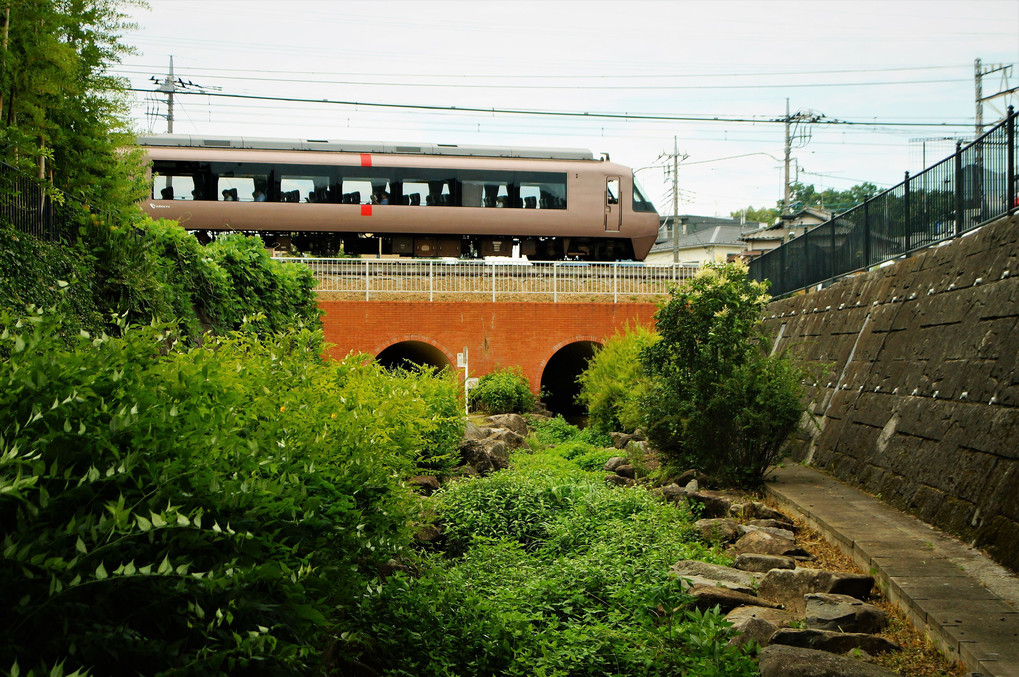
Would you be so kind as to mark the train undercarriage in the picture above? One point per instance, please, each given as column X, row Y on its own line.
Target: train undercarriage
column 444, row 246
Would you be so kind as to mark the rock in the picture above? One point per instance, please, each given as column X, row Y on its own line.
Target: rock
column 773, row 524
column 615, row 462
column 834, row 642
column 485, row 455
column 619, row 480
column 854, row 585
column 514, row 422
column 718, row 529
column 621, row 440
column 752, row 629
column 713, row 503
column 767, row 543
column 626, row 470
column 474, row 432
column 745, row 529
column 693, row 581
column 426, row 484
column 842, row 613
column 672, row 493
column 777, row 617
column 512, row 439
column 758, row 510
column 692, row 487
column 709, row 596
column 428, row 534
column 788, row 661
column 686, row 568
column 752, row 561
column 788, row 586
column 685, row 478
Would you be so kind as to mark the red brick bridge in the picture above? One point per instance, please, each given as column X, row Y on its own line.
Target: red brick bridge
column 550, row 342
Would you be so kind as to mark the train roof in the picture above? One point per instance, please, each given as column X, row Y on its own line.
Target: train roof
column 188, row 141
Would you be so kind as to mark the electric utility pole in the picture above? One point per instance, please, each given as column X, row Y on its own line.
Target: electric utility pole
column 798, row 135
column 170, row 85
column 676, row 159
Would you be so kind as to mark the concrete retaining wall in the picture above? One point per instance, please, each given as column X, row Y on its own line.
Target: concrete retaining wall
column 920, row 401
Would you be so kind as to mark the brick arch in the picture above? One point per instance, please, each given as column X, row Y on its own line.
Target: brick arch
column 389, row 343
column 600, row 340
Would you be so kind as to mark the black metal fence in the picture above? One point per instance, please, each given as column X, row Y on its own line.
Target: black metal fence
column 973, row 186
column 25, row 205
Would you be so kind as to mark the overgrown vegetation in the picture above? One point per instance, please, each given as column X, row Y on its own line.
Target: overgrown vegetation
column 503, row 391
column 716, row 400
column 547, row 571
column 612, row 387
column 219, row 509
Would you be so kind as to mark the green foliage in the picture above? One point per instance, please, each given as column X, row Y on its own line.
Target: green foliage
column 218, row 510
column 557, row 574
column 584, row 455
column 63, row 113
column 717, row 401
column 802, row 196
column 503, row 391
column 612, row 385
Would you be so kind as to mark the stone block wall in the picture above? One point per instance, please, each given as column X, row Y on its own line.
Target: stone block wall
column 916, row 397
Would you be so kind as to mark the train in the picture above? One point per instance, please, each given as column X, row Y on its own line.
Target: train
column 408, row 200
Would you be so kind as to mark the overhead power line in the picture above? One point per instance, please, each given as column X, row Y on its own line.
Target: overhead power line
column 566, row 114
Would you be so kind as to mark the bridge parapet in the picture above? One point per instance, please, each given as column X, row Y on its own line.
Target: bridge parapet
column 505, row 280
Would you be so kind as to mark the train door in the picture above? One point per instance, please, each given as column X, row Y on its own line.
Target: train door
column 613, row 210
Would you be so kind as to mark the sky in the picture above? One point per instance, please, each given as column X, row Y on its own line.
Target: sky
column 890, row 83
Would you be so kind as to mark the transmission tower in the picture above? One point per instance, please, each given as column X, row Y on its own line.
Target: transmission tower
column 979, row 71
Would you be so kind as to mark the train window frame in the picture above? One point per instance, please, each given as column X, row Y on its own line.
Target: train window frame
column 189, row 180
column 247, row 178
column 324, row 183
column 641, row 203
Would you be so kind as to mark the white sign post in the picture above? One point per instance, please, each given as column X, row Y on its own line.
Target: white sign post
column 462, row 363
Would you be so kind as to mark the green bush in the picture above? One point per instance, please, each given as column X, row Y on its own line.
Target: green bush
column 552, row 431
column 613, row 384
column 503, row 391
column 214, row 510
column 555, row 574
column 716, row 399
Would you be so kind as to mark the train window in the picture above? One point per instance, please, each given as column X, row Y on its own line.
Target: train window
column 640, row 203
column 612, row 191
column 180, row 180
column 243, row 182
column 307, row 184
column 414, row 192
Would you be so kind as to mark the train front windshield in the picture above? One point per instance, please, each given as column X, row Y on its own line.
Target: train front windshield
column 640, row 203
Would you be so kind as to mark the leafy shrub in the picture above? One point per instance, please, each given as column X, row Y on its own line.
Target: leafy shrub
column 552, row 431
column 213, row 510
column 612, row 385
column 503, row 391
column 716, row 400
column 556, row 574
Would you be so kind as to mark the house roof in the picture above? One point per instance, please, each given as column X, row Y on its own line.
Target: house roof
column 720, row 235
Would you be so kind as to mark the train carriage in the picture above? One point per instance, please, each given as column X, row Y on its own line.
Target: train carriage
column 420, row 200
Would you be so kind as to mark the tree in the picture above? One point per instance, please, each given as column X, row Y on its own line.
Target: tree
column 802, row 196
column 717, row 401
column 62, row 115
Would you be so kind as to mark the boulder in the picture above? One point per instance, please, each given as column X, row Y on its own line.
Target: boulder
column 752, row 629
column 685, row 478
column 842, row 613
column 474, row 432
column 512, row 439
column 428, row 534
column 773, row 524
column 777, row 617
column 514, row 422
column 627, row 470
column 745, row 529
column 485, row 456
column 425, row 484
column 768, row 543
column 709, row 596
column 788, row 661
column 834, row 642
column 752, row 561
column 672, row 493
column 713, row 503
column 788, row 586
column 758, row 510
column 704, row 573
column 615, row 462
column 619, row 480
column 718, row 529
column 621, row 440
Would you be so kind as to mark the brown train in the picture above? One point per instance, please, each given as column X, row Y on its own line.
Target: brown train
column 409, row 200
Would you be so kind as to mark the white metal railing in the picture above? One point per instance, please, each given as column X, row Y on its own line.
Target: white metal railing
column 506, row 280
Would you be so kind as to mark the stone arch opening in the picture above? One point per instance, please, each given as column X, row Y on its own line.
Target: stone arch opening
column 407, row 353
column 559, row 379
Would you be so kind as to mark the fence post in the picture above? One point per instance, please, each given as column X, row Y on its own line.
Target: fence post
column 555, row 282
column 1011, row 193
column 367, row 279
column 493, row 282
column 615, row 286
column 431, row 282
column 907, row 223
column 831, row 255
column 866, row 234
column 958, row 188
